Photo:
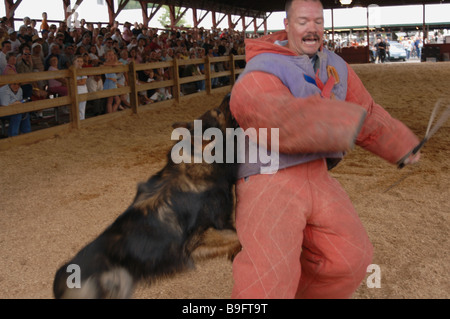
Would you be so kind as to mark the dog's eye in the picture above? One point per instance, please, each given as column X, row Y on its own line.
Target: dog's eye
column 218, row 111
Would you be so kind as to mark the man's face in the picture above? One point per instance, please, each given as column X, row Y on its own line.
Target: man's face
column 14, row 87
column 305, row 27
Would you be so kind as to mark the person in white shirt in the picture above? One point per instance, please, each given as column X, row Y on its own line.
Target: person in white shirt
column 15, row 43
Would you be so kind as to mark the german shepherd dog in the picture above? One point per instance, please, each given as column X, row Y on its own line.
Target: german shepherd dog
column 182, row 213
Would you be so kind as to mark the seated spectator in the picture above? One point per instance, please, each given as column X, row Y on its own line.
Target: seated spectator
column 93, row 56
column 154, row 45
column 100, row 48
column 127, row 34
column 54, row 52
column 6, row 47
column 66, row 57
column 25, row 65
column 133, row 55
column 15, row 43
column 133, row 43
column 11, row 60
column 11, row 94
column 146, row 76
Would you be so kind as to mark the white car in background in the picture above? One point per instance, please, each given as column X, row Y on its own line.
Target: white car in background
column 396, row 51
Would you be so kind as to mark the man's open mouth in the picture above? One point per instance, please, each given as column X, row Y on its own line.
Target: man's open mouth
column 311, row 39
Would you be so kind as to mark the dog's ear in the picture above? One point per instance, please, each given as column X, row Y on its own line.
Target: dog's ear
column 182, row 124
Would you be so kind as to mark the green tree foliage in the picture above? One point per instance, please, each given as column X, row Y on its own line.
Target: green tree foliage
column 164, row 19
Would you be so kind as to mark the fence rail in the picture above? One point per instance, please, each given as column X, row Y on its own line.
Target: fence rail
column 132, row 88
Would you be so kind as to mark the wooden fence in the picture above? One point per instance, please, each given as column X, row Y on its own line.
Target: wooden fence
column 132, row 89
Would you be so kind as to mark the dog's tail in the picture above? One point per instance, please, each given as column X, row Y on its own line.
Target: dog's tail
column 115, row 283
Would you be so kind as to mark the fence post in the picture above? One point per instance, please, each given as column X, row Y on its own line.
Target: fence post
column 176, row 79
column 208, row 75
column 134, row 101
column 73, row 93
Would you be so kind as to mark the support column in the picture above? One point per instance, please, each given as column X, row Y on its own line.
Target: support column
column 10, row 8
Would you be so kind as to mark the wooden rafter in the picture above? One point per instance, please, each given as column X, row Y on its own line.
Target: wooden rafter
column 147, row 17
column 176, row 15
column 10, row 8
column 221, row 19
column 198, row 20
column 111, row 11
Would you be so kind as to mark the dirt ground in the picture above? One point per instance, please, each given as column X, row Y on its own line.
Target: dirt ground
column 57, row 195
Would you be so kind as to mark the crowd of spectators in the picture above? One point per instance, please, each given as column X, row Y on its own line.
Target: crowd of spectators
column 55, row 47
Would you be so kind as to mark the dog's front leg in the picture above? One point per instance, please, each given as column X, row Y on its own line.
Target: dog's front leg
column 216, row 243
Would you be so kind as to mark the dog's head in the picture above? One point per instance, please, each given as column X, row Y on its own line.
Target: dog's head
column 205, row 132
column 219, row 117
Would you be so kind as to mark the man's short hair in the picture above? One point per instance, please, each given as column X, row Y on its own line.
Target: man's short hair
column 288, row 5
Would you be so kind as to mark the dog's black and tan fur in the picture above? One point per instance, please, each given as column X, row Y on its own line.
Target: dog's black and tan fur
column 166, row 226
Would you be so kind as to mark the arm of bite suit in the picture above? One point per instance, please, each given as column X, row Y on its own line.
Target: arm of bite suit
column 306, row 125
column 381, row 134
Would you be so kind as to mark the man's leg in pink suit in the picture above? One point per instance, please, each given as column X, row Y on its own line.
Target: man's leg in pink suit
column 288, row 251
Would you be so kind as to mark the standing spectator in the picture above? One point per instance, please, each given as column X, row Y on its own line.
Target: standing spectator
column 381, row 50
column 59, row 85
column 94, row 83
column 417, row 47
column 81, row 86
column 11, row 94
column 122, row 78
column 112, row 102
column 44, row 22
column 388, row 46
